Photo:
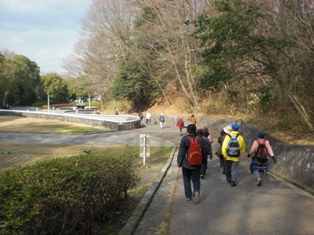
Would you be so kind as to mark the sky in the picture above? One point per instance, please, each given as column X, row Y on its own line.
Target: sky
column 44, row 31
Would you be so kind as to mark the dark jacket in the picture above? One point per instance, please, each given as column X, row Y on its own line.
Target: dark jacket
column 183, row 149
column 208, row 146
column 221, row 137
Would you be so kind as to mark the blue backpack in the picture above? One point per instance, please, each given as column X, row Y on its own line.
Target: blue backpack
column 233, row 149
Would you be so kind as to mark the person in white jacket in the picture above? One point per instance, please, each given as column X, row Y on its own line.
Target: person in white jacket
column 148, row 116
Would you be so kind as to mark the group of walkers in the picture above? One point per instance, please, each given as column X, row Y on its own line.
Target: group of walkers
column 231, row 146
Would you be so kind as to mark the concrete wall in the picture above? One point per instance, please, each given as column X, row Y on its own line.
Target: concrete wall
column 211, row 123
column 108, row 122
column 295, row 163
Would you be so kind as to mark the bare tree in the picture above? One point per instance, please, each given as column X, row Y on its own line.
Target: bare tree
column 168, row 36
column 104, row 37
column 292, row 20
column 7, row 53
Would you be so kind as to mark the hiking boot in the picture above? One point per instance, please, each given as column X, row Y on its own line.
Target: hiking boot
column 188, row 199
column 196, row 197
column 233, row 184
column 259, row 182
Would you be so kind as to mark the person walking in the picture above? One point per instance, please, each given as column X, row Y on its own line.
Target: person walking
column 190, row 173
column 180, row 125
column 232, row 156
column 141, row 117
column 148, row 116
column 226, row 130
column 161, row 120
column 205, row 130
column 208, row 149
column 260, row 142
column 192, row 120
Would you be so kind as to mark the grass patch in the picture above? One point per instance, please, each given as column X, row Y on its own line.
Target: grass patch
column 29, row 153
column 37, row 125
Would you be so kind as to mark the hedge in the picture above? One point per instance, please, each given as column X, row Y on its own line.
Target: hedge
column 65, row 195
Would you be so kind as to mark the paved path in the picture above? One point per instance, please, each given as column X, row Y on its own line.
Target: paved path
column 275, row 208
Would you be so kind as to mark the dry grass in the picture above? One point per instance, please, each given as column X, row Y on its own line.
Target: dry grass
column 37, row 125
column 13, row 155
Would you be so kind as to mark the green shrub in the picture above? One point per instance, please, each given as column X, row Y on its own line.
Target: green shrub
column 39, row 104
column 57, row 105
column 65, row 195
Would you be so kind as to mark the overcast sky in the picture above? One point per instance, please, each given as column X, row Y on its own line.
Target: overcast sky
column 42, row 30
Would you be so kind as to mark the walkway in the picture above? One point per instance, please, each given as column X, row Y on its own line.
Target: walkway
column 274, row 208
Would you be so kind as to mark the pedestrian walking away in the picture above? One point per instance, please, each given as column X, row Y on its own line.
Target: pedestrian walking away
column 226, row 130
column 191, row 173
column 205, row 130
column 180, row 125
column 208, row 149
column 192, row 120
column 148, row 116
column 261, row 151
column 232, row 148
column 161, row 120
column 141, row 117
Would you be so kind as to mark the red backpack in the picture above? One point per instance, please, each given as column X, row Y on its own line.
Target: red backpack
column 261, row 153
column 194, row 154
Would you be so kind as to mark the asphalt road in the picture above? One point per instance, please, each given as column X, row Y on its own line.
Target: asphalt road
column 274, row 208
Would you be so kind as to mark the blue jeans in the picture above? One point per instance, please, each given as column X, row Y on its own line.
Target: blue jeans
column 194, row 176
column 231, row 171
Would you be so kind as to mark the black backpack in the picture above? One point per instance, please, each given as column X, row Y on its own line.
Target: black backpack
column 261, row 153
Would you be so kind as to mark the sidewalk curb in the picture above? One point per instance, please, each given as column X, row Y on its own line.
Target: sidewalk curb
column 139, row 211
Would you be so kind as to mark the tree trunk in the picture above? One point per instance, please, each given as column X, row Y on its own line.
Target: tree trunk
column 300, row 109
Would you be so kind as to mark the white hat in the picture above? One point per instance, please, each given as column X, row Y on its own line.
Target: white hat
column 227, row 129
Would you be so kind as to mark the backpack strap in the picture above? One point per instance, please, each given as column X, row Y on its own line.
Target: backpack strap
column 190, row 138
column 259, row 141
column 232, row 137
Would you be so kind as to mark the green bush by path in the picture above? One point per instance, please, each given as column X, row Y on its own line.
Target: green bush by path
column 65, row 195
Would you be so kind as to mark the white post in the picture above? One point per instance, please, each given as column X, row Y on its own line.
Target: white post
column 144, row 150
column 144, row 147
column 48, row 103
column 89, row 102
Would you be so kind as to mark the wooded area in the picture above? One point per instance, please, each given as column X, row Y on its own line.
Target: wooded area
column 251, row 56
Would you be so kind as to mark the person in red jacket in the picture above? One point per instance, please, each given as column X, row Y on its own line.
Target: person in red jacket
column 180, row 124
